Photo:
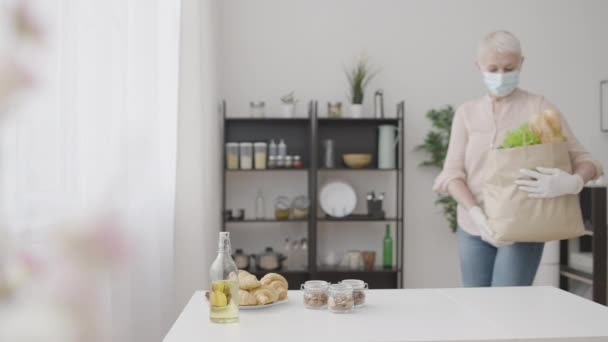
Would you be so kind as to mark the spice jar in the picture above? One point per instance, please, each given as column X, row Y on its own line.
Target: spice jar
column 297, row 162
column 315, row 294
column 232, row 156
column 288, row 162
column 260, row 149
column 272, row 162
column 280, row 162
column 340, row 298
column 246, row 149
column 359, row 287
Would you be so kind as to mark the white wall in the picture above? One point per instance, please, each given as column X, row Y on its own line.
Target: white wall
column 426, row 51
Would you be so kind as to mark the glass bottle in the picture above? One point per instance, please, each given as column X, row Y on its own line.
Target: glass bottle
column 387, row 248
column 282, row 149
column 224, row 294
column 260, row 209
column 272, row 149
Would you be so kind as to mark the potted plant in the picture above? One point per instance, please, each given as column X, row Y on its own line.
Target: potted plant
column 436, row 145
column 288, row 105
column 358, row 78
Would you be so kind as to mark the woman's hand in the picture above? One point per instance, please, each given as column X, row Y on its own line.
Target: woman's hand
column 481, row 221
column 550, row 183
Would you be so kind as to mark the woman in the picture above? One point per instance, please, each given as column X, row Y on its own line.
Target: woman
column 479, row 126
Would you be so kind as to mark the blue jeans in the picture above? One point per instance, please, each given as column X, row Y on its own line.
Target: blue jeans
column 485, row 265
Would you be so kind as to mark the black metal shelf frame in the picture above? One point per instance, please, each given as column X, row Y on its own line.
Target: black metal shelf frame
column 378, row 278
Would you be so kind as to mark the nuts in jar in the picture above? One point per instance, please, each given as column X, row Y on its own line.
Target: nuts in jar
column 359, row 287
column 315, row 294
column 340, row 299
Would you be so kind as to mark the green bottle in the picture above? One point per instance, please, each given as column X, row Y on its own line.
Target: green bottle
column 387, row 249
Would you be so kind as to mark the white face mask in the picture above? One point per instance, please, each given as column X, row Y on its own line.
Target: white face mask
column 501, row 84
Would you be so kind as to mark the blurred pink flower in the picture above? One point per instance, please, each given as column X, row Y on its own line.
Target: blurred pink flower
column 100, row 244
column 26, row 25
column 13, row 78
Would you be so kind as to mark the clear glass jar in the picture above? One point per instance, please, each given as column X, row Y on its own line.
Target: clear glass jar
column 272, row 162
column 299, row 207
column 288, row 162
column 232, row 156
column 359, row 287
column 257, row 109
column 340, row 298
column 315, row 294
column 281, row 208
column 334, row 109
column 260, row 149
column 246, row 149
column 280, row 162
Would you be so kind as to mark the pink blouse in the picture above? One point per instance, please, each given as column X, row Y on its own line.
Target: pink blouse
column 476, row 130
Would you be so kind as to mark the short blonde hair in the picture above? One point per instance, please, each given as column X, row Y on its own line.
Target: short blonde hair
column 501, row 42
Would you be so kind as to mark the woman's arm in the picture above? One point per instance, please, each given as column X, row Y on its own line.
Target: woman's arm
column 453, row 165
column 587, row 171
column 459, row 190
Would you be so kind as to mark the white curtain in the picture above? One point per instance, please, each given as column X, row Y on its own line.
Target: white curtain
column 99, row 128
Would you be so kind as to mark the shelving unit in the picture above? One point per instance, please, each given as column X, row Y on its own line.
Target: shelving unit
column 594, row 241
column 303, row 137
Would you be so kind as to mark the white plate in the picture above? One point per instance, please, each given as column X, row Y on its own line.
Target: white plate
column 338, row 199
column 253, row 307
column 258, row 307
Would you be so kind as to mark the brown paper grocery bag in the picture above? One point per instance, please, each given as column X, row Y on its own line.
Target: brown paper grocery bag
column 512, row 215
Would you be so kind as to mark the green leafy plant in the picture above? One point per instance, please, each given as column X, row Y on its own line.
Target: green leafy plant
column 436, row 145
column 523, row 136
column 358, row 78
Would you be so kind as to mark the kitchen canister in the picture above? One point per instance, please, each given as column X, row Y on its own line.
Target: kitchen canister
column 388, row 137
column 246, row 153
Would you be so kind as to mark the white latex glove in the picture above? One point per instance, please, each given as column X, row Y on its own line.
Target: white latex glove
column 481, row 222
column 549, row 183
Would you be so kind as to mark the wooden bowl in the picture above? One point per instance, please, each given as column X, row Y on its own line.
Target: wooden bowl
column 357, row 160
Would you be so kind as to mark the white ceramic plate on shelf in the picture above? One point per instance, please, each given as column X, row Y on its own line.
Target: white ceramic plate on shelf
column 253, row 307
column 338, row 199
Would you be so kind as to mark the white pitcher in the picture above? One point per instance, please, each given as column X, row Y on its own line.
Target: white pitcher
column 388, row 137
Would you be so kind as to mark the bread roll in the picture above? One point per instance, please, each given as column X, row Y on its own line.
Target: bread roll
column 247, row 281
column 270, row 277
column 246, row 298
column 265, row 295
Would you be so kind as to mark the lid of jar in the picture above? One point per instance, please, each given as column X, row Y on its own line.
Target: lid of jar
column 287, row 157
column 301, row 202
column 246, row 144
column 356, row 284
column 272, row 158
column 340, row 288
column 282, row 202
column 260, row 144
column 296, row 157
column 316, row 285
column 232, row 144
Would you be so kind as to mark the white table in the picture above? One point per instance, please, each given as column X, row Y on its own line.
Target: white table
column 481, row 314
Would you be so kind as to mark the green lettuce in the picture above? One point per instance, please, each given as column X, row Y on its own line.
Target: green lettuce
column 522, row 136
